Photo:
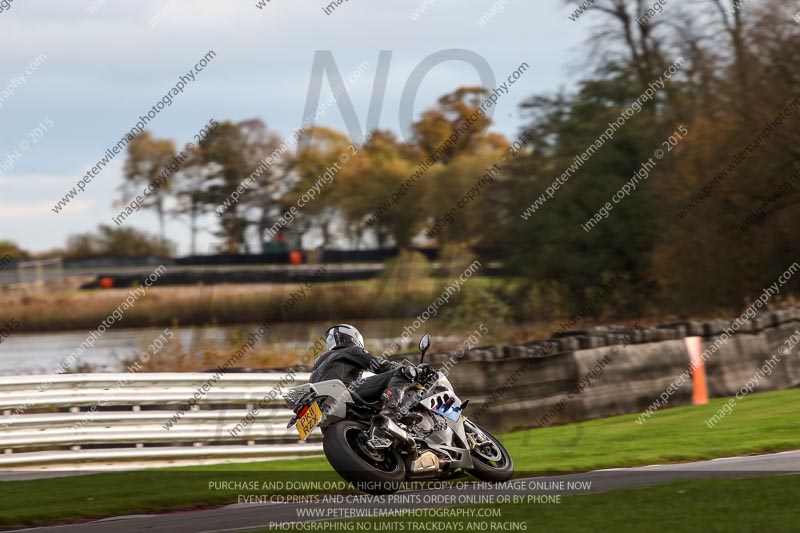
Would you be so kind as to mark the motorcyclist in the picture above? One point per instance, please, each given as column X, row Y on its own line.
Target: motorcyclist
column 346, row 359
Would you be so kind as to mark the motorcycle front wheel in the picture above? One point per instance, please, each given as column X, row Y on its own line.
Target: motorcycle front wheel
column 491, row 461
column 373, row 472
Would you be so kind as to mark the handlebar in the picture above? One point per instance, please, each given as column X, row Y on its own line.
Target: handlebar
column 425, row 372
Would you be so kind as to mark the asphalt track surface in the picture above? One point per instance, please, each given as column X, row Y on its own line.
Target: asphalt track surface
column 246, row 517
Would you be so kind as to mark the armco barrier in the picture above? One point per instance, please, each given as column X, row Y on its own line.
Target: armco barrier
column 57, row 426
column 510, row 387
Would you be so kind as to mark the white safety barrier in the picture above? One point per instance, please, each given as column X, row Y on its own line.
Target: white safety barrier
column 118, row 420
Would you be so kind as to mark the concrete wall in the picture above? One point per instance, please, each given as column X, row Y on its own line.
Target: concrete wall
column 529, row 385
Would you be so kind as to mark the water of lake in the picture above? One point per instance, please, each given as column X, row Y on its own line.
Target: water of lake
column 40, row 353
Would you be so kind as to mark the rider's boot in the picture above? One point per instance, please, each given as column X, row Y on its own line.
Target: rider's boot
column 399, row 411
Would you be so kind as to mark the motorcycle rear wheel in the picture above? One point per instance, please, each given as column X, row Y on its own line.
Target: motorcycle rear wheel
column 372, row 472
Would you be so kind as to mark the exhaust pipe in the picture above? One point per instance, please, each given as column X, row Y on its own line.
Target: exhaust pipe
column 390, row 427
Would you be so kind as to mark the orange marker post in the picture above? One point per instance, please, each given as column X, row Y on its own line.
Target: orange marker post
column 700, row 390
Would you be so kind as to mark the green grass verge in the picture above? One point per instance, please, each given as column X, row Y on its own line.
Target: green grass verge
column 702, row 506
column 764, row 422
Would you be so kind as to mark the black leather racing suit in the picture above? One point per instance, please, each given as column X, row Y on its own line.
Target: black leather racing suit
column 346, row 365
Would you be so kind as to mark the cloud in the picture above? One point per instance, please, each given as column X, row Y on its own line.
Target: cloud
column 105, row 69
column 41, row 208
column 34, row 181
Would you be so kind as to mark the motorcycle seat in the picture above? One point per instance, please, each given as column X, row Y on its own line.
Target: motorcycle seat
column 364, row 402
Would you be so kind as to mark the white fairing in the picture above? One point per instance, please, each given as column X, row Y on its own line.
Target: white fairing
column 334, row 397
column 441, row 399
column 442, row 427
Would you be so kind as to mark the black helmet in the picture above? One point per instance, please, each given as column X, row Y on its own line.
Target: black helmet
column 342, row 335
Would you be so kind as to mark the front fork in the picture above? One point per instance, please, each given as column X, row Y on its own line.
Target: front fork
column 475, row 437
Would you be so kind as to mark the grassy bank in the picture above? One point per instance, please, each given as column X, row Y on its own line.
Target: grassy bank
column 406, row 285
column 214, row 305
column 760, row 423
column 404, row 289
column 749, row 504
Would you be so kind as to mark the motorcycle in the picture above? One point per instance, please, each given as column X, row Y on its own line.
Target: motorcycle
column 433, row 441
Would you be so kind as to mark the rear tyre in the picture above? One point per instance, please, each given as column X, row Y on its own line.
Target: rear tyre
column 373, row 472
column 491, row 461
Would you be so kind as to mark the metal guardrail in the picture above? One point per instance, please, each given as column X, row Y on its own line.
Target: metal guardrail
column 56, row 428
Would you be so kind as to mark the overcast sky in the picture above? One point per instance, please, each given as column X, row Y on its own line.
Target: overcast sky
column 104, row 69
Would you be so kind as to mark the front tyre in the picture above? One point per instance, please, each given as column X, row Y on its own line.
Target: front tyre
column 373, row 472
column 491, row 461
